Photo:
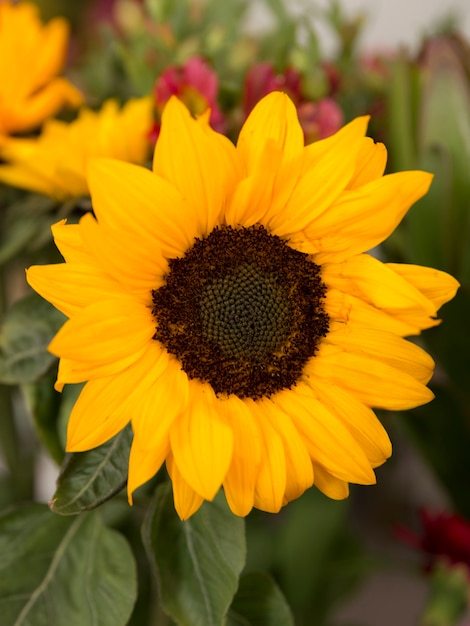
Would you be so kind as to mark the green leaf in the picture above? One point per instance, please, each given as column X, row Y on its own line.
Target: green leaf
column 26, row 331
column 24, row 223
column 44, row 404
column 88, row 479
column 197, row 562
column 259, row 602
column 58, row 571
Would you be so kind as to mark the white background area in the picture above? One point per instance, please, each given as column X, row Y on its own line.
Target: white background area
column 389, row 23
column 395, row 22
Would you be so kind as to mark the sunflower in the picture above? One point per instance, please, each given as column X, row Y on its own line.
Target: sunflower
column 224, row 305
column 31, row 56
column 54, row 162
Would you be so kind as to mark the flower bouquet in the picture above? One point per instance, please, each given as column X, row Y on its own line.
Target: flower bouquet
column 236, row 292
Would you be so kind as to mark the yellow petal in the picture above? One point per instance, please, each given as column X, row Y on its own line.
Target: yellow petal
column 383, row 346
column 365, row 277
column 50, row 55
column 371, row 162
column 185, row 499
column 202, row 441
column 253, row 195
column 138, row 268
column 161, row 404
column 332, row 487
column 328, row 441
column 106, row 405
column 299, row 470
column 144, row 464
column 195, row 160
column 273, row 120
column 328, row 166
column 105, row 332
column 271, row 483
column 240, row 481
column 46, row 102
column 68, row 239
column 343, row 307
column 362, row 218
column 92, row 421
column 71, row 287
column 141, row 206
column 372, row 381
column 438, row 286
column 359, row 419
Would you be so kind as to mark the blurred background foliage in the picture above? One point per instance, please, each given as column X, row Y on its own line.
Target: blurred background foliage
column 318, row 551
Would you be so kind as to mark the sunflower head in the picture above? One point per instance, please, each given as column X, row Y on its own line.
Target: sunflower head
column 225, row 304
column 54, row 162
column 31, row 57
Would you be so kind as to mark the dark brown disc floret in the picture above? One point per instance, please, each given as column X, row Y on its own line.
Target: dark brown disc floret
column 242, row 310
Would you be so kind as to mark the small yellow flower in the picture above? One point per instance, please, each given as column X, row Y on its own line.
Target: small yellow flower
column 31, row 57
column 226, row 306
column 54, row 163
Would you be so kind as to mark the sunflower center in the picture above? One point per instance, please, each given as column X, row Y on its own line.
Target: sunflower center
column 242, row 310
column 245, row 314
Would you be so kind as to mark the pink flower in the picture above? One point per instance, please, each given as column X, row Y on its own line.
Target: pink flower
column 262, row 79
column 319, row 119
column 196, row 84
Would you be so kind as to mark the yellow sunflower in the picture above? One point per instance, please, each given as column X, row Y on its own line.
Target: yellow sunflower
column 55, row 162
column 225, row 306
column 31, row 56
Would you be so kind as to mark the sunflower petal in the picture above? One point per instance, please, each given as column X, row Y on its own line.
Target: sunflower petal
column 387, row 347
column 71, row 287
column 359, row 419
column 156, row 414
column 328, row 166
column 202, row 442
column 365, row 277
column 439, row 287
column 144, row 464
column 101, row 333
column 92, row 421
column 272, row 478
column 371, row 162
column 299, row 470
column 329, row 442
column 372, row 381
column 362, row 218
column 332, row 487
column 273, row 120
column 240, row 481
column 134, row 201
column 186, row 500
column 195, row 160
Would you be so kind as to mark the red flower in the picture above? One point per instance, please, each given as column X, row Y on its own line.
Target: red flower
column 444, row 536
column 318, row 119
column 196, row 84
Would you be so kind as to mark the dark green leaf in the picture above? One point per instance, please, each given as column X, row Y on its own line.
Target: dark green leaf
column 89, row 479
column 197, row 562
column 26, row 331
column 259, row 602
column 44, row 405
column 58, row 571
column 25, row 221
